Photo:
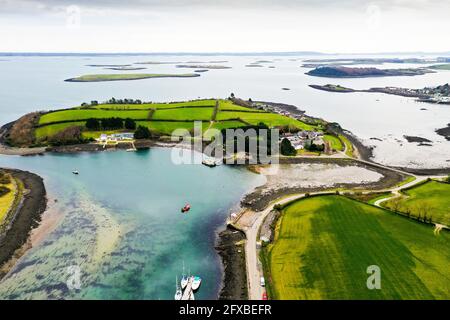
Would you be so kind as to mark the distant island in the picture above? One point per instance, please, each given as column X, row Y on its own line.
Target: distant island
column 347, row 72
column 202, row 66
column 314, row 63
column 445, row 66
column 332, row 88
column 126, row 68
column 108, row 65
column 135, row 76
column 438, row 94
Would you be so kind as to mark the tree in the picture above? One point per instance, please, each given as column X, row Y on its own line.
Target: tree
column 286, row 148
column 112, row 123
column 130, row 124
column 142, row 133
column 92, row 124
column 448, row 179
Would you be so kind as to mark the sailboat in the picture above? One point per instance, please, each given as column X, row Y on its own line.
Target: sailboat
column 184, row 279
column 196, row 283
column 178, row 292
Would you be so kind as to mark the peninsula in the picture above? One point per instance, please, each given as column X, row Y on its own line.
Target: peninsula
column 439, row 94
column 22, row 201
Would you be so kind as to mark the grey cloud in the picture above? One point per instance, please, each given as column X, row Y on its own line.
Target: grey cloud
column 35, row 6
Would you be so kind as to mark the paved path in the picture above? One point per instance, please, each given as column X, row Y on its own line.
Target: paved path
column 254, row 268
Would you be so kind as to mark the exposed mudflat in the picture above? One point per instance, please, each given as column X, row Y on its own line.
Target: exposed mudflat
column 310, row 175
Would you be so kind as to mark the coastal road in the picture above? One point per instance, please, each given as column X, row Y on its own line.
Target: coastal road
column 254, row 266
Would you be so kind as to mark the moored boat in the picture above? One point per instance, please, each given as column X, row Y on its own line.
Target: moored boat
column 196, row 282
column 186, row 208
column 178, row 292
column 184, row 279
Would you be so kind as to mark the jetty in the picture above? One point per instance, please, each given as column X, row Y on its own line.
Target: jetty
column 188, row 293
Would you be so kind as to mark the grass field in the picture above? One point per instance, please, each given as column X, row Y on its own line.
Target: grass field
column 348, row 145
column 269, row 119
column 166, row 128
column 7, row 200
column 165, row 118
column 336, row 143
column 195, row 103
column 181, row 114
column 132, row 76
column 432, row 198
column 84, row 114
column 51, row 129
column 227, row 105
column 324, row 245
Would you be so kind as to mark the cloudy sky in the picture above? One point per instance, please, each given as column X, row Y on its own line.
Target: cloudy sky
column 224, row 25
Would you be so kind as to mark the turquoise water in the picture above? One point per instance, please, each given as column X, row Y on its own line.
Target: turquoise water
column 121, row 225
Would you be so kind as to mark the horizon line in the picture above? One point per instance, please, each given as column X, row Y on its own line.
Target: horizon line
column 237, row 53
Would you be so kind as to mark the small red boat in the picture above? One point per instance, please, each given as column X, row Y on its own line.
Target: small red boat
column 186, row 208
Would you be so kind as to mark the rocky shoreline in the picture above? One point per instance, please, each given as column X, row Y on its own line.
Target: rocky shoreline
column 231, row 249
column 26, row 218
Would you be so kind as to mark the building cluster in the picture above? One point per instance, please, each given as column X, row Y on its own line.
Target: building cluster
column 304, row 139
column 116, row 137
column 439, row 94
column 278, row 110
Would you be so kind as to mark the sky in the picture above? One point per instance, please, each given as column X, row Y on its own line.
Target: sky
column 340, row 26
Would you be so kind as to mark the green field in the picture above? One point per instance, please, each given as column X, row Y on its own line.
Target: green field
column 182, row 114
column 132, row 76
column 51, row 129
column 348, row 145
column 163, row 118
column 323, row 246
column 167, row 127
column 431, row 198
column 84, row 114
column 227, row 105
column 7, row 200
column 147, row 106
column 270, row 119
column 335, row 142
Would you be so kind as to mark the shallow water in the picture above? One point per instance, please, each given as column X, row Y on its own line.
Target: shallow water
column 34, row 83
column 121, row 225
